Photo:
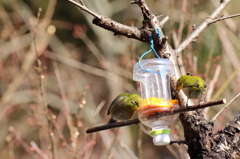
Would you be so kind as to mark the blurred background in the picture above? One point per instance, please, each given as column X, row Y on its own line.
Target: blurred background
column 59, row 73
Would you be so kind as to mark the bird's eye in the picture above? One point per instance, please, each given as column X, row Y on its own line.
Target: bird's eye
column 135, row 102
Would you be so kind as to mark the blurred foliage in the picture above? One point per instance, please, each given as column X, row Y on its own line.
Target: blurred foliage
column 80, row 68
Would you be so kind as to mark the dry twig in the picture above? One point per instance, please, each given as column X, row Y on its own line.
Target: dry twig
column 225, row 107
column 224, row 18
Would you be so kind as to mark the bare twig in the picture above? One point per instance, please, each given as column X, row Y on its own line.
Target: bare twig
column 225, row 107
column 89, row 43
column 224, row 18
column 165, row 113
column 182, row 16
column 163, row 21
column 27, row 63
column 129, row 151
column 113, row 144
column 143, row 129
column 120, row 29
column 87, row 68
column 59, row 132
column 49, row 13
column 21, row 141
column 210, row 53
column 230, row 23
column 200, row 29
column 213, row 82
column 169, row 147
column 139, row 143
column 44, row 119
column 84, row 8
column 228, row 47
column 38, row 150
column 141, row 34
column 65, row 102
column 147, row 15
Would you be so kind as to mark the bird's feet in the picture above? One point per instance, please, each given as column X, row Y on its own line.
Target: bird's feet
column 187, row 103
column 107, row 125
column 201, row 102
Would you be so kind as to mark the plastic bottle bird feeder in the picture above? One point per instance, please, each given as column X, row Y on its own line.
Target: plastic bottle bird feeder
column 156, row 93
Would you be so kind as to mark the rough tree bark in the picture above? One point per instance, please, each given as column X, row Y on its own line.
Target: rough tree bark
column 201, row 141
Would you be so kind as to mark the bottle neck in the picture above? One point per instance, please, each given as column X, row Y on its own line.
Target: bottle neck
column 160, row 130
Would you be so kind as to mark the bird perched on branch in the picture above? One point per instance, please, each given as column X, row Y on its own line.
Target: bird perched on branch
column 123, row 107
column 193, row 87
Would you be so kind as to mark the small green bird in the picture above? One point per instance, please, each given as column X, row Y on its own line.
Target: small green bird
column 193, row 87
column 123, row 107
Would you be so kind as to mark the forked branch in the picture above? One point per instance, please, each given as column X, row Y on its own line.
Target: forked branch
column 150, row 23
column 192, row 37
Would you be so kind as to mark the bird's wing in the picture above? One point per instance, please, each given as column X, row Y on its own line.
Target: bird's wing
column 111, row 106
column 190, row 82
column 114, row 101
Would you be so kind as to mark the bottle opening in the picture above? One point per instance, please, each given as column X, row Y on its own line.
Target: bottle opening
column 161, row 136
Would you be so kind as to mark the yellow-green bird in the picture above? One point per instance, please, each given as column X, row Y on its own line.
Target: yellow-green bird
column 123, row 107
column 193, row 87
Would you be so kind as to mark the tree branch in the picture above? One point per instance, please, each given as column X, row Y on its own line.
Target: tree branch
column 224, row 18
column 200, row 29
column 141, row 34
column 84, row 8
column 164, row 21
column 225, row 107
column 165, row 113
column 147, row 15
column 150, row 23
column 120, row 29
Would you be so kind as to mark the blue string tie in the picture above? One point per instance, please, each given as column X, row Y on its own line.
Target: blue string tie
column 151, row 49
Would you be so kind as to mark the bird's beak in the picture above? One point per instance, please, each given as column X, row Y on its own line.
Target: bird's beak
column 202, row 89
column 138, row 105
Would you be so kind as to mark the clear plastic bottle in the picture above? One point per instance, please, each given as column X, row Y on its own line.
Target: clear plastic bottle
column 156, row 94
